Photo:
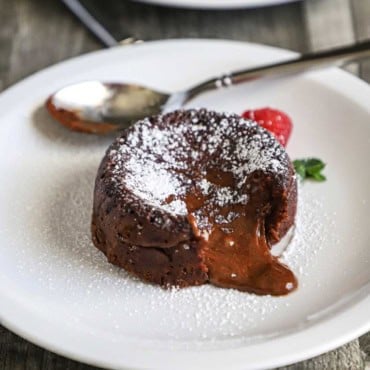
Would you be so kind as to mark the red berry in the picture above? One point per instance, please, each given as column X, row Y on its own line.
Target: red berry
column 273, row 120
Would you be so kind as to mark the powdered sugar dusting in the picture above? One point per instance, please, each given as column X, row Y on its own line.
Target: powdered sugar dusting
column 168, row 156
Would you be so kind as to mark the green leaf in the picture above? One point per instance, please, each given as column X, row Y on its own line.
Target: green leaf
column 310, row 168
column 319, row 177
column 300, row 168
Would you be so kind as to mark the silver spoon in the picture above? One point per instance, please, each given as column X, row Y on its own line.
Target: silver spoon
column 98, row 107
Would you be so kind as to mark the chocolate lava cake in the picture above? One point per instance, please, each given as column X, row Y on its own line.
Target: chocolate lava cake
column 194, row 197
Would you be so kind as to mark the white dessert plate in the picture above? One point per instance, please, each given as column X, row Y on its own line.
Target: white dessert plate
column 217, row 4
column 58, row 291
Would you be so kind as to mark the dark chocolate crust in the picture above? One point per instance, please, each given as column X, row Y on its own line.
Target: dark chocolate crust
column 157, row 245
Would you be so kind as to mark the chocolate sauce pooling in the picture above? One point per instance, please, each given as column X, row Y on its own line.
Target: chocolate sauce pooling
column 236, row 251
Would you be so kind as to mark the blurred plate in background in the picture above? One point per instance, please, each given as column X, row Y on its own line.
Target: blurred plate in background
column 218, row 4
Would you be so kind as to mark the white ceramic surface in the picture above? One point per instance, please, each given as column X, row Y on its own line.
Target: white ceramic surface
column 58, row 291
column 217, row 4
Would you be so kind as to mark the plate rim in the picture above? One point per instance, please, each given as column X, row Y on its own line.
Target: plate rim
column 224, row 4
column 351, row 328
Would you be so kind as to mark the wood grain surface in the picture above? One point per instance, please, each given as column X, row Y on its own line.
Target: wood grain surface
column 38, row 33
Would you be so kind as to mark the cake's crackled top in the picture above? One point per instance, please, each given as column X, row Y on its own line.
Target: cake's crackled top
column 160, row 159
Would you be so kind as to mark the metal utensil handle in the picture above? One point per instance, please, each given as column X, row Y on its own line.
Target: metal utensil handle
column 334, row 57
column 101, row 33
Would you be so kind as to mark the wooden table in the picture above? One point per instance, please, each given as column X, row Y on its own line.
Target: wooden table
column 37, row 33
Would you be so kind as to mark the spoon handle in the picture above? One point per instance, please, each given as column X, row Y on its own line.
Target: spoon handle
column 101, row 33
column 335, row 57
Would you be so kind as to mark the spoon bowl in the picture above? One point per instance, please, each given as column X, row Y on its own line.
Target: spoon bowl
column 100, row 107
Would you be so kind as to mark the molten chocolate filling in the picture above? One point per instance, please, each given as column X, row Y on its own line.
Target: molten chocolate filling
column 233, row 239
